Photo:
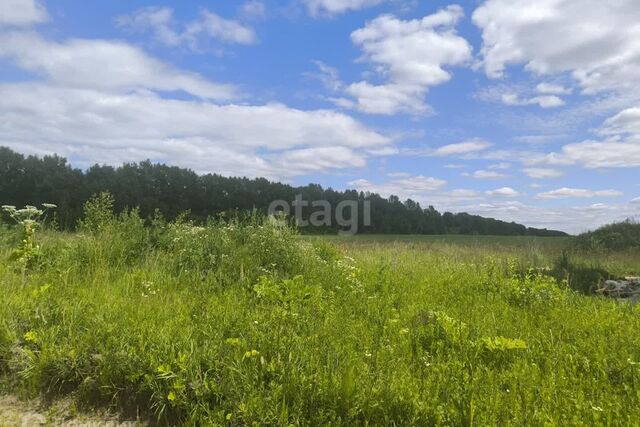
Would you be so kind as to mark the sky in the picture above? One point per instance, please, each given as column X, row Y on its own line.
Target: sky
column 512, row 109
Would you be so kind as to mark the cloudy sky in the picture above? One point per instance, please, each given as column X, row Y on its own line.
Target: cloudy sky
column 518, row 110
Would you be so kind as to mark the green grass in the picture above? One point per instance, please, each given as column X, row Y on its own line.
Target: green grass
column 251, row 324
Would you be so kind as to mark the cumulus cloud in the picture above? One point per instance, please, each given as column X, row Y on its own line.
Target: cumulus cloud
column 552, row 89
column 160, row 22
column 104, row 101
column 321, row 159
column 542, row 173
column 625, row 122
column 104, row 64
column 595, row 154
column 544, row 101
column 15, row 13
column 411, row 55
column 335, row 7
column 485, row 174
column 253, row 9
column 500, row 166
column 326, row 75
column 95, row 126
column 597, row 42
column 620, row 149
column 410, row 187
column 426, row 190
column 543, row 95
column 465, row 147
column 220, row 28
column 503, row 192
column 460, row 149
column 572, row 219
column 565, row 193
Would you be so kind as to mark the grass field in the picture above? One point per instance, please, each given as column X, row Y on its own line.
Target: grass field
column 250, row 324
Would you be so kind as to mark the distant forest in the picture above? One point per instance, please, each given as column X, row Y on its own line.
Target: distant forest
column 173, row 190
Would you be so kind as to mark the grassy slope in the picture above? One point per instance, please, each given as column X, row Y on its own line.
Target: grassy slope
column 178, row 323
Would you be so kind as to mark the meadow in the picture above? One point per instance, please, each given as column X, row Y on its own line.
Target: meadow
column 244, row 322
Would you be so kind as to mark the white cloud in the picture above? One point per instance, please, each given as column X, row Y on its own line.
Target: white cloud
column 552, row 89
column 21, row 12
column 398, row 175
column 253, row 9
column 387, row 99
column 411, row 56
column 620, row 150
column 500, row 166
column 626, row 121
column 486, row 174
column 335, row 7
column 636, row 200
column 544, row 101
column 220, row 28
column 572, row 219
column 327, row 75
column 160, row 22
column 320, row 159
column 425, row 190
column 410, row 187
column 90, row 126
column 595, row 155
column 503, row 192
column 462, row 194
column 565, row 193
column 465, row 147
column 597, row 42
column 103, row 64
column 542, row 173
column 539, row 139
column 103, row 101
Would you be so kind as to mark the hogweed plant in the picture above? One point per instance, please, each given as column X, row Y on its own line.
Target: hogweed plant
column 28, row 219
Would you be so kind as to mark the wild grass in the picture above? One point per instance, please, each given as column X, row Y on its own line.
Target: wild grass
column 246, row 323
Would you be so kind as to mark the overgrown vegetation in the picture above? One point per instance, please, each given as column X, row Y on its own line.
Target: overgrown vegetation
column 617, row 236
column 243, row 322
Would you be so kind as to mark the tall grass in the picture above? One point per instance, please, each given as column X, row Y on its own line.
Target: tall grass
column 246, row 323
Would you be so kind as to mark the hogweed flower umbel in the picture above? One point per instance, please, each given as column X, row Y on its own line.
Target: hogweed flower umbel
column 26, row 218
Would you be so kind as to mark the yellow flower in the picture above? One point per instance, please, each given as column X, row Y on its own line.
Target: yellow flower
column 233, row 341
column 31, row 337
column 252, row 353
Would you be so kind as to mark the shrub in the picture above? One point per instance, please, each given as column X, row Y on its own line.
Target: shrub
column 617, row 236
column 98, row 213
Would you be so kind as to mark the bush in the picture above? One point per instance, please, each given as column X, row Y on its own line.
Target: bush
column 98, row 213
column 617, row 236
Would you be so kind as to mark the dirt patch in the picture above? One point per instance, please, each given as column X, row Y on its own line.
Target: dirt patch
column 18, row 413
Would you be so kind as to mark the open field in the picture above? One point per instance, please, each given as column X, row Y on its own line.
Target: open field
column 250, row 324
column 529, row 251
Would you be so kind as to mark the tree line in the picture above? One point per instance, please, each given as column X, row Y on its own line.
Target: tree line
column 173, row 191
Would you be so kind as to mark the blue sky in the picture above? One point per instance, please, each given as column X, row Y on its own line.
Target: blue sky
column 519, row 110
